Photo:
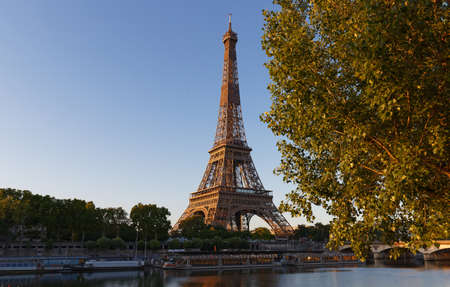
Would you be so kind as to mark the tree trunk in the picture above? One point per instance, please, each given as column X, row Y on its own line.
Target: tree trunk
column 136, row 244
column 145, row 249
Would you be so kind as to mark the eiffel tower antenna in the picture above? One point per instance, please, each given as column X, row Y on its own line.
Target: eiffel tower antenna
column 231, row 192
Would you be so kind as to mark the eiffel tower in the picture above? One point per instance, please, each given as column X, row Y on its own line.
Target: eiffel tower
column 231, row 192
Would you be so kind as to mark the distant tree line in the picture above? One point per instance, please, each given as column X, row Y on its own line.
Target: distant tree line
column 318, row 232
column 28, row 216
column 199, row 235
column 25, row 216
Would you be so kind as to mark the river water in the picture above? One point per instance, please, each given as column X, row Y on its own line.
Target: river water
column 430, row 275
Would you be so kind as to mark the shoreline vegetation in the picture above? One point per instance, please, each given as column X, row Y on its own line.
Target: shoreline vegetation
column 28, row 220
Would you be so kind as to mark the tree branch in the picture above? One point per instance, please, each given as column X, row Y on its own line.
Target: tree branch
column 371, row 169
column 380, row 144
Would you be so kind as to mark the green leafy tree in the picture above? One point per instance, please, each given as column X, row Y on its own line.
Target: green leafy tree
column 243, row 244
column 154, row 244
column 197, row 243
column 104, row 243
column 188, row 244
column 87, row 218
column 175, row 244
column 118, row 243
column 262, row 233
column 8, row 204
column 207, row 245
column 318, row 232
column 48, row 216
column 193, row 226
column 31, row 216
column 75, row 211
column 151, row 221
column 141, row 245
column 117, row 217
column 361, row 102
column 90, row 245
column 234, row 242
column 218, row 242
column 112, row 218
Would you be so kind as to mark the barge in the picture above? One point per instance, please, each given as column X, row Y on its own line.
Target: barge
column 206, row 262
column 38, row 264
column 244, row 261
column 108, row 265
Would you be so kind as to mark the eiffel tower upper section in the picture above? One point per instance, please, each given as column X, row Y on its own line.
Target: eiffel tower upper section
column 234, row 167
column 230, row 126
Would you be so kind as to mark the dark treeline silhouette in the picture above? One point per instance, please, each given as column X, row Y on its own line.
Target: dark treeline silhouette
column 318, row 232
column 197, row 234
column 27, row 216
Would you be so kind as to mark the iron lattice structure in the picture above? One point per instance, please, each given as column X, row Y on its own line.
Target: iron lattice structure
column 231, row 192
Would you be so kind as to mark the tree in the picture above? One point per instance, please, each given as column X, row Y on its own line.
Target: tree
column 197, row 243
column 8, row 205
column 318, row 232
column 75, row 217
column 88, row 219
column 360, row 99
column 118, row 243
column 151, row 221
column 193, row 226
column 154, row 244
column 218, row 243
column 175, row 244
column 117, row 216
column 33, row 216
column 207, row 245
column 104, row 242
column 262, row 233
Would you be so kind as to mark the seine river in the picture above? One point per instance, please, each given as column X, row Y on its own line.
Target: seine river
column 430, row 275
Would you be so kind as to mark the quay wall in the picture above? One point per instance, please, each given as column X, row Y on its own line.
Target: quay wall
column 35, row 248
column 64, row 249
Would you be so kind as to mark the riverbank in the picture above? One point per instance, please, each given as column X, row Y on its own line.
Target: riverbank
column 171, row 260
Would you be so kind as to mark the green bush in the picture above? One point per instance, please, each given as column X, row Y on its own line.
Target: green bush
column 207, row 245
column 234, row 242
column 154, row 244
column 104, row 243
column 90, row 245
column 175, row 244
column 188, row 244
column 197, row 243
column 218, row 243
column 243, row 244
column 141, row 244
column 118, row 243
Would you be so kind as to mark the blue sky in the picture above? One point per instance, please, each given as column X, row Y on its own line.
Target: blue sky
column 116, row 101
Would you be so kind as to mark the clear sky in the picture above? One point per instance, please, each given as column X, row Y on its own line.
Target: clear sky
column 116, row 101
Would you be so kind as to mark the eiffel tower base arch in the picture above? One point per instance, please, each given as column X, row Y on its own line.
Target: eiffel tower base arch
column 233, row 210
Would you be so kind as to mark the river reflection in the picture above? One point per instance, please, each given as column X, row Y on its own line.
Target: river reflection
column 429, row 275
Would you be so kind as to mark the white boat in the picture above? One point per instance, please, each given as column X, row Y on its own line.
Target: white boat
column 116, row 264
column 18, row 267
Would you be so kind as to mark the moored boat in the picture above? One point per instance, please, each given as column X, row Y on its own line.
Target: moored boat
column 243, row 261
column 93, row 265
column 36, row 264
